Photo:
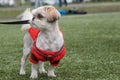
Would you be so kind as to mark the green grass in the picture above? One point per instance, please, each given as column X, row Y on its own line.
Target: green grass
column 93, row 49
column 10, row 13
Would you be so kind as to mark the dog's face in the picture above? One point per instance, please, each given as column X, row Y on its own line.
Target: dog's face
column 44, row 16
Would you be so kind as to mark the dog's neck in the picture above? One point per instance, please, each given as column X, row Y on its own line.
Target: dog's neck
column 51, row 37
column 50, row 27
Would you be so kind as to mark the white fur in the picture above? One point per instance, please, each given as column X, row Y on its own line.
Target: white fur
column 26, row 15
column 50, row 38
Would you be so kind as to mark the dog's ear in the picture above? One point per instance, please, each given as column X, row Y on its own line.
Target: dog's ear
column 52, row 14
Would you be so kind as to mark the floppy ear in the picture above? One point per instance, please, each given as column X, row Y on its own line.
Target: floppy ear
column 52, row 14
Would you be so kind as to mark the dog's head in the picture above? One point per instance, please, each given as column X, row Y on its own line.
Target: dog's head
column 45, row 15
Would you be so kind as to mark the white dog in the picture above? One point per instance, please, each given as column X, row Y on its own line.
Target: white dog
column 43, row 40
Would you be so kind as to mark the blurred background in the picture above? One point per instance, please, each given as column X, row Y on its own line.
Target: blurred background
column 12, row 8
column 51, row 2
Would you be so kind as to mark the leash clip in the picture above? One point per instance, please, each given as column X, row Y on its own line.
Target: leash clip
column 49, row 57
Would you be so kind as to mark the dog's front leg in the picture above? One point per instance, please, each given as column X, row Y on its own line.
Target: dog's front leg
column 51, row 71
column 34, row 74
column 42, row 69
column 26, row 52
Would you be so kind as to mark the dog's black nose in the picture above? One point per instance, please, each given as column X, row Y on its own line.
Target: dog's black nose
column 33, row 18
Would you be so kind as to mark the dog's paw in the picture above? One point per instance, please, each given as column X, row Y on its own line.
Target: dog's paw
column 51, row 74
column 33, row 76
column 22, row 72
column 43, row 71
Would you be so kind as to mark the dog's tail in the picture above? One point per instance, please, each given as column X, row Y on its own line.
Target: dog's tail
column 26, row 15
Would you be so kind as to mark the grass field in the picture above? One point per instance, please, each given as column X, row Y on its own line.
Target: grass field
column 93, row 49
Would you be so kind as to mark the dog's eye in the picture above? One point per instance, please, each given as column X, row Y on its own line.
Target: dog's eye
column 39, row 16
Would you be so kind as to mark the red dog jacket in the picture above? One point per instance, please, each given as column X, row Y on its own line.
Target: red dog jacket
column 42, row 55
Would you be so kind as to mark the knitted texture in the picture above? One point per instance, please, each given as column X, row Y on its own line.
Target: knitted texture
column 38, row 54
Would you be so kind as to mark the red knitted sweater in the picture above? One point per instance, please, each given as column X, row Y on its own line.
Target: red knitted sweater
column 42, row 55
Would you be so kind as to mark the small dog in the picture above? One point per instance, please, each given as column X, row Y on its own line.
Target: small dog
column 43, row 40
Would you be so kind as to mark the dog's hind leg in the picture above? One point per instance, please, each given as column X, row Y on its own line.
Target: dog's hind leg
column 41, row 68
column 26, row 52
